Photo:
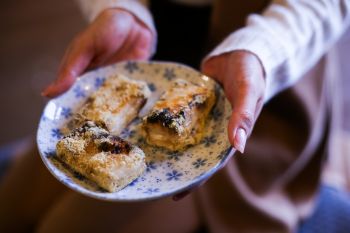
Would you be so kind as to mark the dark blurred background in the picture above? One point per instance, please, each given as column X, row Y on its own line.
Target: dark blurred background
column 34, row 35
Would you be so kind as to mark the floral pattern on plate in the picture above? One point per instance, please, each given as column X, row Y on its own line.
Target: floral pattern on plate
column 167, row 172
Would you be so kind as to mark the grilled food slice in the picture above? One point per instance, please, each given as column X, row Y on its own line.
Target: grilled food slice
column 178, row 117
column 115, row 103
column 107, row 160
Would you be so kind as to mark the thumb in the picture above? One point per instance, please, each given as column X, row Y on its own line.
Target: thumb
column 74, row 63
column 213, row 67
column 245, row 108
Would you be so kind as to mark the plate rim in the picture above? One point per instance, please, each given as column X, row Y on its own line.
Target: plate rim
column 229, row 152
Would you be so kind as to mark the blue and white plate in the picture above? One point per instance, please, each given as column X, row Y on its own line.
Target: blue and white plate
column 167, row 173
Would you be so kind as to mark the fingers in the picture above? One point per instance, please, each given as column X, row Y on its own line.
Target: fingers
column 242, row 120
column 246, row 98
column 114, row 36
column 75, row 61
column 242, row 76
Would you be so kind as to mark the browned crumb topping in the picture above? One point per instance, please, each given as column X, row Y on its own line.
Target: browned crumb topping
column 172, row 110
column 115, row 145
column 98, row 138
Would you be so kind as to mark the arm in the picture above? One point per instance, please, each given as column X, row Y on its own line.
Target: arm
column 284, row 42
column 289, row 38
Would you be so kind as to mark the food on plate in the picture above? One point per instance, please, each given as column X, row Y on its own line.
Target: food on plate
column 178, row 118
column 106, row 159
column 115, row 103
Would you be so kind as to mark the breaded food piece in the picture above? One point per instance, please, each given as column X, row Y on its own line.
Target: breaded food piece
column 105, row 159
column 116, row 103
column 178, row 117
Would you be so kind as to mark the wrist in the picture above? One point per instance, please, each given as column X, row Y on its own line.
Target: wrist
column 247, row 57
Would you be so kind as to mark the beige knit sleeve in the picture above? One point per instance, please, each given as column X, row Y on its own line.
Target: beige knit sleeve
column 289, row 38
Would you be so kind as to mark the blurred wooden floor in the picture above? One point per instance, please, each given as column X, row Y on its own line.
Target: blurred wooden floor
column 34, row 35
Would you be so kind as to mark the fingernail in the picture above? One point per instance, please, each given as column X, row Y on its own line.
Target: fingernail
column 240, row 139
